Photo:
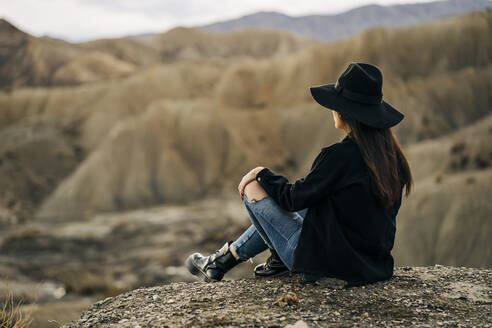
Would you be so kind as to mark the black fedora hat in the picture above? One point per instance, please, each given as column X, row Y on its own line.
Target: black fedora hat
column 358, row 94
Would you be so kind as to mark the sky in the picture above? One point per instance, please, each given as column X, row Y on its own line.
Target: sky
column 82, row 20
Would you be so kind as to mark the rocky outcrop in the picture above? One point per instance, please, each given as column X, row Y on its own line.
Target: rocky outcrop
column 435, row 296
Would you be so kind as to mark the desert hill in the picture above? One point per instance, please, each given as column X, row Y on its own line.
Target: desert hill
column 30, row 61
column 194, row 43
column 338, row 26
column 185, row 43
column 134, row 52
column 447, row 220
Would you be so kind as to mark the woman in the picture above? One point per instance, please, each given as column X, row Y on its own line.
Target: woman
column 339, row 220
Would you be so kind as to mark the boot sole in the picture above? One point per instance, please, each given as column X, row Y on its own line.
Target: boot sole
column 280, row 274
column 196, row 271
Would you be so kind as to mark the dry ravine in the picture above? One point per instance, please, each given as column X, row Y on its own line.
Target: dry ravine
column 435, row 296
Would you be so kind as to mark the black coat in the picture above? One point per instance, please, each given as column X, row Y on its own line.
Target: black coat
column 346, row 234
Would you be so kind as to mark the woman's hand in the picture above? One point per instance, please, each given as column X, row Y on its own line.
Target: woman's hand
column 250, row 176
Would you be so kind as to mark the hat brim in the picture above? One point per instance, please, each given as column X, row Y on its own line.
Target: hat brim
column 382, row 115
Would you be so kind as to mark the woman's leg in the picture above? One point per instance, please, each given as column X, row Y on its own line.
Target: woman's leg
column 249, row 244
column 256, row 223
column 253, row 241
column 279, row 228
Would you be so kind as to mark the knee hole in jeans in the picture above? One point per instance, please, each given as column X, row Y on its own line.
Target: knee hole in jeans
column 254, row 200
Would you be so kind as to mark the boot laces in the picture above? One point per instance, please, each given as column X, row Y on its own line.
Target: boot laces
column 213, row 256
column 212, row 259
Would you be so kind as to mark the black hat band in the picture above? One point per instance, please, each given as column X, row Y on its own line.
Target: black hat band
column 358, row 97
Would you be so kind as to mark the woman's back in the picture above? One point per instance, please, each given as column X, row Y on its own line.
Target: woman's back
column 347, row 234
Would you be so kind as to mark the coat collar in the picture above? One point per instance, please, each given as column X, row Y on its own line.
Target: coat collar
column 347, row 138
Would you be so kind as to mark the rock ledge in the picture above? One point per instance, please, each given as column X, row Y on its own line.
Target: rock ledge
column 416, row 296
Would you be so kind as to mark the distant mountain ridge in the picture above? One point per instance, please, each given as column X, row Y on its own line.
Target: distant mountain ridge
column 339, row 26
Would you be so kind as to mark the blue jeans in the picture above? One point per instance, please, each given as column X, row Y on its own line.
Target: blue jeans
column 272, row 227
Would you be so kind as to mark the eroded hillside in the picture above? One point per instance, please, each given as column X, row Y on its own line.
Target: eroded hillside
column 255, row 112
column 26, row 60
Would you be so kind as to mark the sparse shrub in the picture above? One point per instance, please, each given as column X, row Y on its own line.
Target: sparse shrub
column 11, row 314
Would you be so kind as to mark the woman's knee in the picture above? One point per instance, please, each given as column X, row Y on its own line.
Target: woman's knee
column 254, row 190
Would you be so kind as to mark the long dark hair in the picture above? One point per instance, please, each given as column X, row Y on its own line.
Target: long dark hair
column 388, row 166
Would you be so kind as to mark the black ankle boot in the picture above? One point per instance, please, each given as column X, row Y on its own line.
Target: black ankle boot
column 212, row 267
column 274, row 267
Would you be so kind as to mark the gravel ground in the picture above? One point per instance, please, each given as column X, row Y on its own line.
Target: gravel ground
column 436, row 296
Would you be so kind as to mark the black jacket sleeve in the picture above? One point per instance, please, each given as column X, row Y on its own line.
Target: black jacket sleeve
column 326, row 170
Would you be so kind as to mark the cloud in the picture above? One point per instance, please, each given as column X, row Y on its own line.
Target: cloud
column 73, row 21
column 197, row 9
column 79, row 20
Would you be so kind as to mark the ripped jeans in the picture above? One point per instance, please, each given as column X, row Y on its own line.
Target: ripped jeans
column 272, row 227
